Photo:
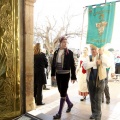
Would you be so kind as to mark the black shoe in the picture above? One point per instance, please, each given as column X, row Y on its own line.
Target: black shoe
column 41, row 104
column 83, row 99
column 92, row 117
column 108, row 102
column 46, row 89
column 57, row 116
column 69, row 108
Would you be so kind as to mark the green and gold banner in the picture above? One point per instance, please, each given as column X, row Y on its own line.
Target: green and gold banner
column 100, row 24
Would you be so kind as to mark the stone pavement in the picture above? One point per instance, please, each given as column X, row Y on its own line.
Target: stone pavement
column 81, row 109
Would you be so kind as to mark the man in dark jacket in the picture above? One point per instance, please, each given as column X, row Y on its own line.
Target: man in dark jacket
column 63, row 64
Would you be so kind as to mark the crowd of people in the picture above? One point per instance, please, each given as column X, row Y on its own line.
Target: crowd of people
column 91, row 74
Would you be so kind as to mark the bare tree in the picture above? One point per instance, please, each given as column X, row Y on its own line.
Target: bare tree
column 51, row 31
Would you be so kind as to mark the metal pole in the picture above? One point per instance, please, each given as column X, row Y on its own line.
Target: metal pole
column 82, row 28
column 102, row 3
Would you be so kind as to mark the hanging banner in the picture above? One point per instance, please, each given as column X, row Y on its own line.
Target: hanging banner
column 100, row 24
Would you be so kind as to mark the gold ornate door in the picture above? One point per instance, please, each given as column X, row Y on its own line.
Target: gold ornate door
column 10, row 98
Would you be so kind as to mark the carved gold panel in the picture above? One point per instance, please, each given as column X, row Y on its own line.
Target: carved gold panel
column 10, row 105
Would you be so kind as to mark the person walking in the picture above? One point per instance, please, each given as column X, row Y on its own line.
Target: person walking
column 81, row 75
column 96, row 73
column 40, row 63
column 46, row 71
column 117, row 66
column 112, row 70
column 63, row 65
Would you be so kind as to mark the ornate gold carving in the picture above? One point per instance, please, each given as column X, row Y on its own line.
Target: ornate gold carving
column 9, row 60
column 5, row 19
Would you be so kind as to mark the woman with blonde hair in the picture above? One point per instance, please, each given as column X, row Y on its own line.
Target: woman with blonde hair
column 81, row 75
column 40, row 63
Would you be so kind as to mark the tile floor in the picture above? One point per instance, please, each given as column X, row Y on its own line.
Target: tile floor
column 81, row 110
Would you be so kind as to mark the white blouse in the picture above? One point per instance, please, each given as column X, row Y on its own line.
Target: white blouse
column 60, row 53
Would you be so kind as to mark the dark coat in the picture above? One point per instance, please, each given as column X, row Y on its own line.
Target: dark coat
column 69, row 63
column 40, row 63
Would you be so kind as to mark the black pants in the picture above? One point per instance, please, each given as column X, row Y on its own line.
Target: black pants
column 38, row 85
column 38, row 93
column 106, row 91
column 96, row 97
column 62, row 83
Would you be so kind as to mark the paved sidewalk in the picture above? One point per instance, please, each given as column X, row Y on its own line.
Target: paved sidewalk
column 81, row 109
